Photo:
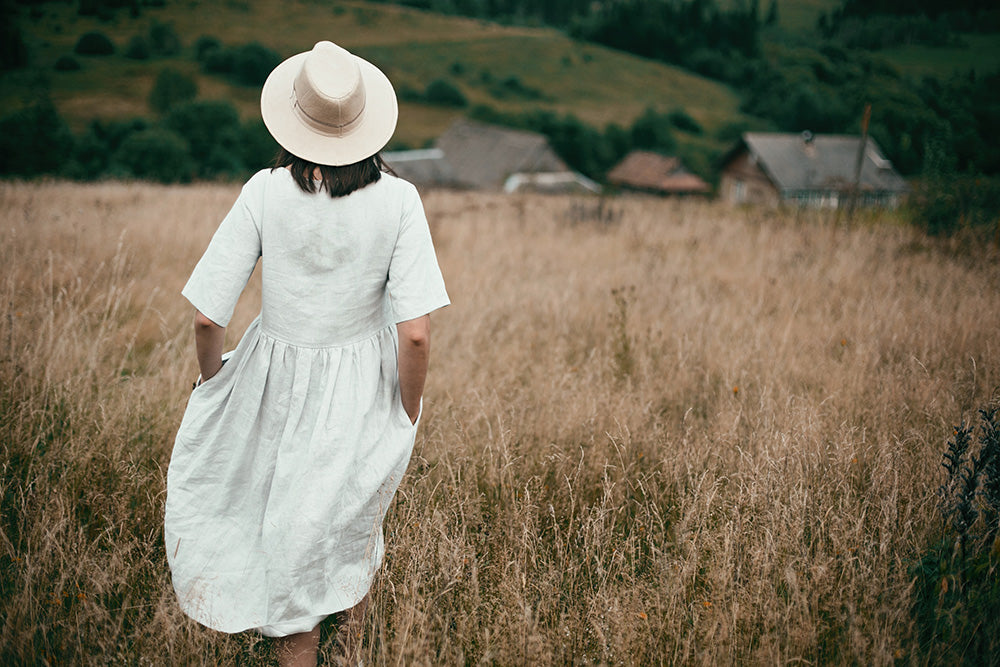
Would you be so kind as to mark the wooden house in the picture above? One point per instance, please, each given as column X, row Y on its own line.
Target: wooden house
column 476, row 155
column 808, row 170
column 645, row 171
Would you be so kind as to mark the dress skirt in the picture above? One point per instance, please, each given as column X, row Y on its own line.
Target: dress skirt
column 274, row 517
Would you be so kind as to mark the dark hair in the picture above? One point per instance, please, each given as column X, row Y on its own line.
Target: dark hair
column 338, row 181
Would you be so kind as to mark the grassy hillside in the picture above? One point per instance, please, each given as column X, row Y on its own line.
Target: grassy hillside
column 796, row 85
column 414, row 47
column 693, row 435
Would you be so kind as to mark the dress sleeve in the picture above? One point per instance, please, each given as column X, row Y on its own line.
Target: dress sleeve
column 415, row 285
column 223, row 271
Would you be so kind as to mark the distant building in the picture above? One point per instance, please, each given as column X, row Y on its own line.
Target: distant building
column 650, row 172
column 422, row 167
column 489, row 157
column 807, row 170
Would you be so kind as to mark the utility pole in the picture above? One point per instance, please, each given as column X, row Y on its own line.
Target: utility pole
column 859, row 162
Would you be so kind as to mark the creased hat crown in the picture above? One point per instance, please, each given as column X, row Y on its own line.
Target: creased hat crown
column 329, row 93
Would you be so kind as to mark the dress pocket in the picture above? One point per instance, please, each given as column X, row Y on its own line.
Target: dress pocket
column 212, row 380
column 401, row 411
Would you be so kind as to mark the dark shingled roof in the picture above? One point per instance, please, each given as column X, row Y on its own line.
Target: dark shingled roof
column 421, row 167
column 483, row 156
column 823, row 162
column 650, row 171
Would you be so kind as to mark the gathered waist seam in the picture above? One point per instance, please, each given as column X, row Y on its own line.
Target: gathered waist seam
column 352, row 341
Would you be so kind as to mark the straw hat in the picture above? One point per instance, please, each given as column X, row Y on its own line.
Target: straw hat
column 329, row 106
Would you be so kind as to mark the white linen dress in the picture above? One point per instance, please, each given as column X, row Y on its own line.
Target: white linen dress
column 286, row 460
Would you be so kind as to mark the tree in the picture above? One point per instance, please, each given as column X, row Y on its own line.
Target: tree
column 171, row 87
column 652, row 130
column 94, row 44
column 772, row 14
column 445, row 93
column 253, row 62
column 34, row 140
column 157, row 154
column 213, row 134
column 138, row 48
column 163, row 40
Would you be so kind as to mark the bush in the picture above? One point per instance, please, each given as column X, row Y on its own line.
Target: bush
column 652, row 130
column 684, row 122
column 92, row 152
column 204, row 46
column 733, row 131
column 253, row 62
column 90, row 158
column 67, row 64
column 219, row 61
column 138, row 48
column 112, row 133
column 956, row 601
column 407, row 93
column 34, row 140
column 512, row 86
column 202, row 122
column 579, row 144
column 163, row 40
column 224, row 162
column 156, row 154
column 213, row 133
column 171, row 87
column 443, row 93
column 946, row 201
column 248, row 64
column 946, row 205
column 94, row 44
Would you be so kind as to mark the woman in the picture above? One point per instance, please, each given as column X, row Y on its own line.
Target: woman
column 291, row 449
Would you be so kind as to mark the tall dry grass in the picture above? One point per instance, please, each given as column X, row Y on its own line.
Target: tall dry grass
column 696, row 435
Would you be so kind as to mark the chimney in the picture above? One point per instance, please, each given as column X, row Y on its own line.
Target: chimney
column 807, row 144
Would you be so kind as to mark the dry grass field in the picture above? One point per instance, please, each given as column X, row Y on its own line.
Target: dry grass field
column 688, row 435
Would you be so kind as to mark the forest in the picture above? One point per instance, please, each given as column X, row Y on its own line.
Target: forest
column 793, row 86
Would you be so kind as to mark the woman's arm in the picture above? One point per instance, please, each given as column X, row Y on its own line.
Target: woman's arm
column 414, row 352
column 209, row 338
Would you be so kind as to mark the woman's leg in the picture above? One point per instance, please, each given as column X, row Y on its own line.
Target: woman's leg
column 298, row 650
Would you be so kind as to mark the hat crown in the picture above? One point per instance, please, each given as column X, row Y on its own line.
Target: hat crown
column 328, row 93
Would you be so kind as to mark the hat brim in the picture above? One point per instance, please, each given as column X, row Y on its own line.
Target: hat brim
column 377, row 124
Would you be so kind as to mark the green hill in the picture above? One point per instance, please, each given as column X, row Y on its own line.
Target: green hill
column 789, row 79
column 414, row 47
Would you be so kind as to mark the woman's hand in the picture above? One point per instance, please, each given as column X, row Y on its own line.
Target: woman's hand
column 209, row 338
column 414, row 352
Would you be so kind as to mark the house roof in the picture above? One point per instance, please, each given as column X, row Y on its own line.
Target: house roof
column 797, row 162
column 650, row 171
column 421, row 167
column 484, row 156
